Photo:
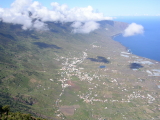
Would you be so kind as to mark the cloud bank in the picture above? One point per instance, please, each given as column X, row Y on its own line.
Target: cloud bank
column 32, row 15
column 133, row 29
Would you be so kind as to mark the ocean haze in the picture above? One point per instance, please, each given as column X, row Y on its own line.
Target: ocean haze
column 146, row 44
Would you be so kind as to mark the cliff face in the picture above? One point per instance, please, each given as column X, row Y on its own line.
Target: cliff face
column 57, row 74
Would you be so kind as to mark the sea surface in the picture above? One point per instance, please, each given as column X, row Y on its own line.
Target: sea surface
column 147, row 44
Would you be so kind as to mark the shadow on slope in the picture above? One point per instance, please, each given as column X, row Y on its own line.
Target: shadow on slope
column 99, row 59
column 45, row 45
column 135, row 66
column 8, row 36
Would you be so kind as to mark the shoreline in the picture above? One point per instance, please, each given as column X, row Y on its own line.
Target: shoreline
column 146, row 45
column 129, row 50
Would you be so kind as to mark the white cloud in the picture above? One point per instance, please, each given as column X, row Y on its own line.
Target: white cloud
column 20, row 5
column 133, row 29
column 76, row 25
column 18, row 13
column 58, row 7
column 10, row 16
column 40, row 25
column 86, row 27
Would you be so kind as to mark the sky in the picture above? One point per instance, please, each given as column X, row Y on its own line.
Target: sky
column 107, row 7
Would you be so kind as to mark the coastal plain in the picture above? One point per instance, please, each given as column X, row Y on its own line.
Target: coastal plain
column 57, row 74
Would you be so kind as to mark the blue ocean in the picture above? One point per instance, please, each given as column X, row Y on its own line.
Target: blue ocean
column 147, row 44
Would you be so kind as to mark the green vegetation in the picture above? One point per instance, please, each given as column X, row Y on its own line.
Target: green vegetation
column 56, row 74
column 5, row 114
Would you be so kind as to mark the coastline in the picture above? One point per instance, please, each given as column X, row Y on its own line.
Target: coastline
column 145, row 45
column 129, row 50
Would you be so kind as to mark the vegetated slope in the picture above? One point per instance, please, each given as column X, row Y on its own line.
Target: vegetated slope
column 7, row 115
column 28, row 62
column 29, row 69
column 56, row 74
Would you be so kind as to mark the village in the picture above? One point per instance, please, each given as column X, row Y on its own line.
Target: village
column 71, row 68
